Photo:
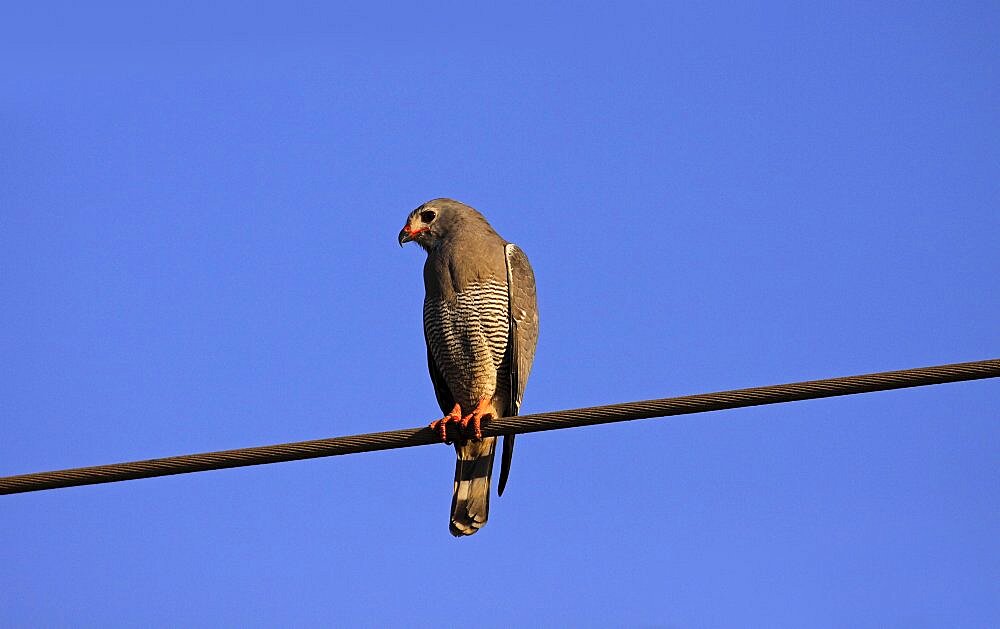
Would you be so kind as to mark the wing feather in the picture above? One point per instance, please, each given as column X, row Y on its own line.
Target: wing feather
column 521, row 341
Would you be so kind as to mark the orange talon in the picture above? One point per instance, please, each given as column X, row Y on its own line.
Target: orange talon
column 440, row 426
column 476, row 417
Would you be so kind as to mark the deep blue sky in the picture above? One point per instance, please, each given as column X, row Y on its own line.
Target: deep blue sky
column 198, row 212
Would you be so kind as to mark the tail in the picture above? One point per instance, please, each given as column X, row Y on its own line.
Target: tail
column 470, row 504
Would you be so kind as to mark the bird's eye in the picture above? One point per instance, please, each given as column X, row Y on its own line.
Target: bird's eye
column 427, row 216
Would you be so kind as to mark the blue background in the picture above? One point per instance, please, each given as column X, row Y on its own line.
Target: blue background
column 198, row 214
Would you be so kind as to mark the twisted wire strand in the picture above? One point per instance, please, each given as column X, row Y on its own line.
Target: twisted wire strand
column 570, row 418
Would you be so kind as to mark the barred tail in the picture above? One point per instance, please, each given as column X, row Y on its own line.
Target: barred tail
column 470, row 503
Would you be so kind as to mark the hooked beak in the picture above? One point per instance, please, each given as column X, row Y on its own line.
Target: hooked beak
column 406, row 234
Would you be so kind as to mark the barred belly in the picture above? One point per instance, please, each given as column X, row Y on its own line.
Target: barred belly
column 468, row 339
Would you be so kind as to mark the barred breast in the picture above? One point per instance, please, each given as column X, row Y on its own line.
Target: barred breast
column 467, row 337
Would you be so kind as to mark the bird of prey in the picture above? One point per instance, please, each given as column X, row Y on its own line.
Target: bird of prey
column 481, row 328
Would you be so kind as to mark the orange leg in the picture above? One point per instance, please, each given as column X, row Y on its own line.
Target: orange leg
column 440, row 426
column 476, row 418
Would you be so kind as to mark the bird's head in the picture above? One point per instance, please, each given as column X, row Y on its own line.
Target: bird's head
column 433, row 221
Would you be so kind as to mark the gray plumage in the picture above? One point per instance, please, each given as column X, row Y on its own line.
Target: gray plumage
column 481, row 328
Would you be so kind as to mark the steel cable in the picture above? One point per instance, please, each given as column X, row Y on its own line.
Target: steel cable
column 571, row 418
